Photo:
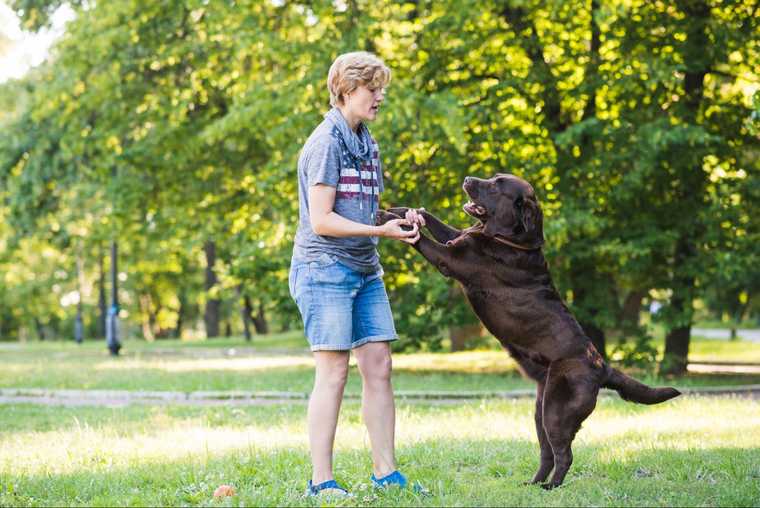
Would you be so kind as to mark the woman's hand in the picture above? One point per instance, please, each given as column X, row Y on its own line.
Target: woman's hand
column 392, row 229
column 415, row 216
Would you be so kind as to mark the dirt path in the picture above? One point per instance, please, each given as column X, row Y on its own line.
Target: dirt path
column 121, row 398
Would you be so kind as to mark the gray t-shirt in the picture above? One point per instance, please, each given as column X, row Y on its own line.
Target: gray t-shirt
column 353, row 168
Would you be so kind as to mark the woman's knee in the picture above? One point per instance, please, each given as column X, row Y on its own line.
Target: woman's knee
column 376, row 368
column 332, row 373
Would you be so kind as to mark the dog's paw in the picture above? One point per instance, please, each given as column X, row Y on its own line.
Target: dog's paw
column 549, row 486
column 383, row 216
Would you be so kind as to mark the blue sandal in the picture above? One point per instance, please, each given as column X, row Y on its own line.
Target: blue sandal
column 398, row 479
column 314, row 490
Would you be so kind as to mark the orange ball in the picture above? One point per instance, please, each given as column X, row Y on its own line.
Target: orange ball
column 224, row 490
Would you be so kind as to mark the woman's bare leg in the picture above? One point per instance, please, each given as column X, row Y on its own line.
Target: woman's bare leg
column 378, row 407
column 324, row 406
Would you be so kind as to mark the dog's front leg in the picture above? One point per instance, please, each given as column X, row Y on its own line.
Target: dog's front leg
column 448, row 259
column 441, row 231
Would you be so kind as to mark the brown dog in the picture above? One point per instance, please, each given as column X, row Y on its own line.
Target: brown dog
column 502, row 269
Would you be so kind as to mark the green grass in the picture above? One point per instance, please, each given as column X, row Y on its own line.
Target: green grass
column 274, row 364
column 281, row 363
column 684, row 452
column 718, row 323
column 724, row 351
column 689, row 451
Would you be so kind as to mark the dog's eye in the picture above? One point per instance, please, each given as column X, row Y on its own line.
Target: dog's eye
column 519, row 202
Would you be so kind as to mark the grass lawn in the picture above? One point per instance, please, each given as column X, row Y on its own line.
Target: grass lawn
column 689, row 451
column 694, row 451
column 724, row 351
column 282, row 363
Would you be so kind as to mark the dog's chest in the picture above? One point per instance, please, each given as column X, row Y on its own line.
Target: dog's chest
column 508, row 314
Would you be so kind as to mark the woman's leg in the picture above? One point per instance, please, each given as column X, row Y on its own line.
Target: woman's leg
column 378, row 408
column 324, row 405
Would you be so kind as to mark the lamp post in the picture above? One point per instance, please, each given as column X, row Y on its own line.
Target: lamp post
column 112, row 321
column 78, row 325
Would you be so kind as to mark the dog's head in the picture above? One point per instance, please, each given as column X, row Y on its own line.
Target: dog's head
column 507, row 207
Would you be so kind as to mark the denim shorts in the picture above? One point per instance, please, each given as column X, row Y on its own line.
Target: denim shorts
column 341, row 308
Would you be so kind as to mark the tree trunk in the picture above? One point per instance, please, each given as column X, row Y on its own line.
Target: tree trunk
column 245, row 314
column 260, row 321
column 677, row 340
column 211, row 313
column 78, row 320
column 737, row 311
column 147, row 328
column 676, row 358
column 39, row 329
column 629, row 315
column 180, row 314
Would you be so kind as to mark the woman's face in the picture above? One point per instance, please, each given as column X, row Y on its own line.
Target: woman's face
column 363, row 102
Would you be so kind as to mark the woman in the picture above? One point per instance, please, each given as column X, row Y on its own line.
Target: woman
column 336, row 277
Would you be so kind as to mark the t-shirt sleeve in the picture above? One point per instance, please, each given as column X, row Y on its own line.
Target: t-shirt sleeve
column 323, row 163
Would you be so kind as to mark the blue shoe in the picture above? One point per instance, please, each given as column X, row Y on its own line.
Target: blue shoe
column 396, row 478
column 314, row 490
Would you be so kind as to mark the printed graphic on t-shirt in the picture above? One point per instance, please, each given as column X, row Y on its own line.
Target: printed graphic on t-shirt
column 348, row 183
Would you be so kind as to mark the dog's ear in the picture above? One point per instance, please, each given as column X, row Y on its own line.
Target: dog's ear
column 523, row 223
column 532, row 223
column 528, row 214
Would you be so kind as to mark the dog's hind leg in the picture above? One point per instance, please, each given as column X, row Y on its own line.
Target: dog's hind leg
column 547, row 455
column 568, row 400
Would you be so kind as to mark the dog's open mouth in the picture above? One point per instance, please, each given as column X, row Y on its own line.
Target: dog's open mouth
column 474, row 209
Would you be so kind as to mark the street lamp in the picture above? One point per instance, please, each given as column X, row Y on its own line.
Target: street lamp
column 112, row 321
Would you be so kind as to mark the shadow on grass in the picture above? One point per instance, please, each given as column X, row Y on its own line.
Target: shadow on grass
column 457, row 472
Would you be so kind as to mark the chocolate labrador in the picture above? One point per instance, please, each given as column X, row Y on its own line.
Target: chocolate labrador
column 500, row 264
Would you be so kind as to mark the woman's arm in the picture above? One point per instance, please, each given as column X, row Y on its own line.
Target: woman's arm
column 325, row 222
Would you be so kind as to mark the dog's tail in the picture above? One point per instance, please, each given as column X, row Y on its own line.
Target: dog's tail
column 632, row 390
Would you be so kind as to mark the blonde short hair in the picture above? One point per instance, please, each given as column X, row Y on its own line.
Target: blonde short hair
column 351, row 70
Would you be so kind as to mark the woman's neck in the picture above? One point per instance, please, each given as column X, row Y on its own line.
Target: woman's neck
column 351, row 120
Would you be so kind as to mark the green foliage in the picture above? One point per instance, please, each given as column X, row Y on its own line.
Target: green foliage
column 169, row 125
column 639, row 353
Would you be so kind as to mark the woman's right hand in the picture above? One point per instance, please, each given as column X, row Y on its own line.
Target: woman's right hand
column 392, row 229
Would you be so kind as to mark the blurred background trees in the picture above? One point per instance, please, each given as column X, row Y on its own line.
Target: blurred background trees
column 173, row 128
